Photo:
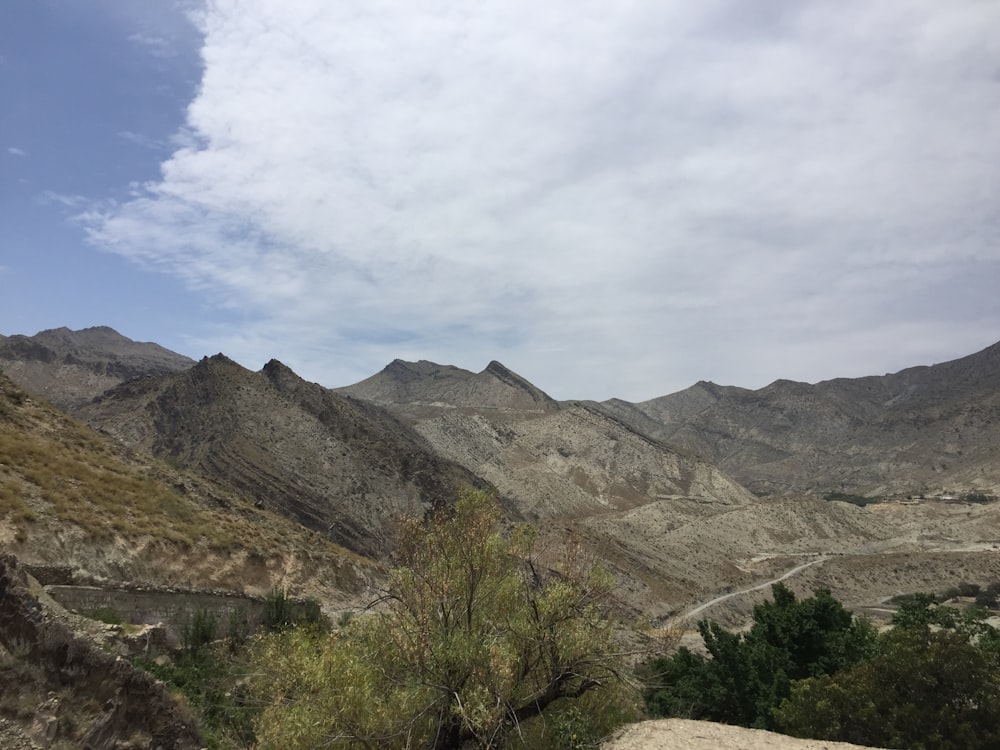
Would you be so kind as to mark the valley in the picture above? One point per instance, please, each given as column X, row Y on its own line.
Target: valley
column 127, row 464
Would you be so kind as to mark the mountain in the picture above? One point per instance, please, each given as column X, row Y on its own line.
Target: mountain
column 68, row 368
column 608, row 481
column 550, row 459
column 340, row 466
column 925, row 429
column 427, row 383
column 70, row 496
column 613, row 480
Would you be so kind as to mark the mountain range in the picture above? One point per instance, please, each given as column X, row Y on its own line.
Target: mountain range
column 920, row 430
column 711, row 489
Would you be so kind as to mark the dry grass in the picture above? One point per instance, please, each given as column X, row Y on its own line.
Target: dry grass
column 56, row 472
column 85, row 484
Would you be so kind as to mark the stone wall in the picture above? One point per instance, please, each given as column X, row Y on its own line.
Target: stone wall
column 173, row 608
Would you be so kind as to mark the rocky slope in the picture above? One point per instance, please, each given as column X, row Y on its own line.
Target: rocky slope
column 667, row 524
column 551, row 460
column 339, row 466
column 72, row 497
column 69, row 368
column 922, row 430
column 82, row 696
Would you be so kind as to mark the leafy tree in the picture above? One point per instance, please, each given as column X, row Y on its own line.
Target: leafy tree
column 472, row 639
column 926, row 689
column 921, row 611
column 748, row 675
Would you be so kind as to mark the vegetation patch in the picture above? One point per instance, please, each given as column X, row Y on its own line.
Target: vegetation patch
column 846, row 497
column 809, row 669
column 472, row 642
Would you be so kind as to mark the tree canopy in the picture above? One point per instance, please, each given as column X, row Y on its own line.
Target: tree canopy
column 932, row 684
column 748, row 675
column 473, row 638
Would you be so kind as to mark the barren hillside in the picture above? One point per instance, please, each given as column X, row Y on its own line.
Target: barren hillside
column 339, row 466
column 921, row 430
column 72, row 497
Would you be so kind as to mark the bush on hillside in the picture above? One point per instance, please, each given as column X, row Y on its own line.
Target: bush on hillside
column 474, row 639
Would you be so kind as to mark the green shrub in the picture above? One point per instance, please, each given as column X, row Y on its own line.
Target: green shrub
column 846, row 497
column 107, row 615
column 277, row 614
column 474, row 641
column 199, row 631
column 925, row 690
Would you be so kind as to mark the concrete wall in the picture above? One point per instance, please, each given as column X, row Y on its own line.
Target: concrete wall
column 173, row 609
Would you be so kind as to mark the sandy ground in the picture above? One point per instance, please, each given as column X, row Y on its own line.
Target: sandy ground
column 682, row 734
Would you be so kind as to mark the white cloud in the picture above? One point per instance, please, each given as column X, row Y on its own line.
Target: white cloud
column 157, row 46
column 15, row 151
column 144, row 141
column 51, row 197
column 613, row 199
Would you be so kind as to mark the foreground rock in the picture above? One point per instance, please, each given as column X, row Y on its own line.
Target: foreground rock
column 98, row 700
column 682, row 734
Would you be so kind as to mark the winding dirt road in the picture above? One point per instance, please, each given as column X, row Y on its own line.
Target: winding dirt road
column 712, row 602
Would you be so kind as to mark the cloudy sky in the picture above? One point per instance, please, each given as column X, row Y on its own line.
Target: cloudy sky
column 612, row 199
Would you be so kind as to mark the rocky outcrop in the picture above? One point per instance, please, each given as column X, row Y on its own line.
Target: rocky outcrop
column 133, row 707
column 683, row 734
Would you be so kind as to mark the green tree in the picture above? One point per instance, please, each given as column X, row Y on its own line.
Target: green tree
column 748, row 675
column 926, row 689
column 473, row 638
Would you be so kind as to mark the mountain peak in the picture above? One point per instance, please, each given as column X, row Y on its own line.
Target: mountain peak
column 511, row 379
column 218, row 359
column 276, row 366
column 407, row 372
column 446, row 386
column 70, row 367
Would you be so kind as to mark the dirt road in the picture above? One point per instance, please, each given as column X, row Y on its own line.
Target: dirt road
column 712, row 602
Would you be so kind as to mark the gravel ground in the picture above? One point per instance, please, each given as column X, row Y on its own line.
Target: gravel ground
column 12, row 737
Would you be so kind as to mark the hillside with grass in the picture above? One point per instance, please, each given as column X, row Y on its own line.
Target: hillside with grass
column 71, row 496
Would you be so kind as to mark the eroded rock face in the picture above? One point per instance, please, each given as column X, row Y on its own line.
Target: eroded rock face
column 338, row 466
column 131, row 707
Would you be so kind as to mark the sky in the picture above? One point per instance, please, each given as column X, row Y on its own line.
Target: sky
column 611, row 199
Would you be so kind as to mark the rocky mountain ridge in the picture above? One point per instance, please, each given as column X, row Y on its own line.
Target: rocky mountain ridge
column 68, row 368
column 430, row 384
column 339, row 466
column 670, row 526
column 922, row 430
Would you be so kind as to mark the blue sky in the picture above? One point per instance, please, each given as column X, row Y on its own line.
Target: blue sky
column 611, row 199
